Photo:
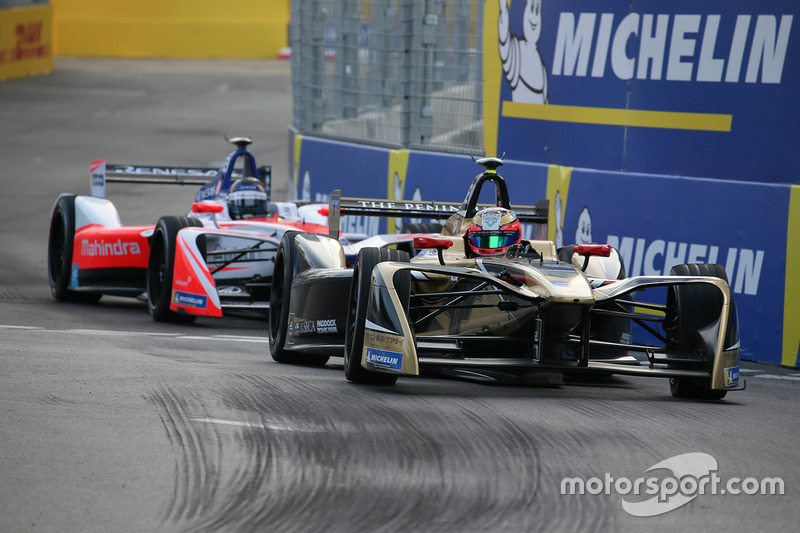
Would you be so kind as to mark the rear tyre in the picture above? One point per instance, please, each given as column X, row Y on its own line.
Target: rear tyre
column 161, row 266
column 279, row 297
column 357, row 313
column 60, row 245
column 690, row 308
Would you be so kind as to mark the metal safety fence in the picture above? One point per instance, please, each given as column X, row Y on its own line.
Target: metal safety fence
column 394, row 73
column 22, row 3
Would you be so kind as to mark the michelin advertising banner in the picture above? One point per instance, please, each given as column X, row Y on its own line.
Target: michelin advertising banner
column 681, row 87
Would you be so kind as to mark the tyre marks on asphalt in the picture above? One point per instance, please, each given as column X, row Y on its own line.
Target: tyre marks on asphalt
column 196, row 462
column 289, row 453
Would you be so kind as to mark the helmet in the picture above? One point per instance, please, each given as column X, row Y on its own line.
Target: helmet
column 246, row 199
column 492, row 231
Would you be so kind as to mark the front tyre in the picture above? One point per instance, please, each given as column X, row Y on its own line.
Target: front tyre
column 60, row 245
column 690, row 308
column 279, row 298
column 161, row 266
column 357, row 315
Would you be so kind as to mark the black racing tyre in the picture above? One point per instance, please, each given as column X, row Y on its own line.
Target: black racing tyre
column 161, row 265
column 60, row 245
column 357, row 313
column 422, row 227
column 279, row 296
column 689, row 308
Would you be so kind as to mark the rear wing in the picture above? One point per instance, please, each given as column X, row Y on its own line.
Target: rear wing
column 103, row 172
column 338, row 206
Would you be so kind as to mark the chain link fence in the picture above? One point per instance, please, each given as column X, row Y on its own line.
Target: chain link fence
column 21, row 3
column 395, row 73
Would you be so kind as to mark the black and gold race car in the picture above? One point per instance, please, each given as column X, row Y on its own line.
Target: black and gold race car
column 533, row 309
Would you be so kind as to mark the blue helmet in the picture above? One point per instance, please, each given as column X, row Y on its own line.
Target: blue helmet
column 247, row 199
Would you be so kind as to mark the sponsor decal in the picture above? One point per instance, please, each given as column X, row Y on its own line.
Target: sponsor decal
column 382, row 339
column 433, row 208
column 207, row 192
column 655, row 258
column 307, row 327
column 188, row 299
column 731, row 376
column 260, row 255
column 385, row 359
column 30, row 44
column 161, row 171
column 304, row 327
column 326, row 326
column 722, row 56
column 102, row 248
column 73, row 281
column 229, row 291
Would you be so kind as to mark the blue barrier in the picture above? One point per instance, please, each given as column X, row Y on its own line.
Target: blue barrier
column 654, row 221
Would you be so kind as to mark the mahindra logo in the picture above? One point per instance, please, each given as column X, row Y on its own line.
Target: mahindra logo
column 103, row 248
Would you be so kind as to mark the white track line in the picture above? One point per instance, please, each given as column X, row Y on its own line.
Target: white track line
column 236, row 423
column 110, row 333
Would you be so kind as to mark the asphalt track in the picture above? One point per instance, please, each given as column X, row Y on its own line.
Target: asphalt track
column 111, row 422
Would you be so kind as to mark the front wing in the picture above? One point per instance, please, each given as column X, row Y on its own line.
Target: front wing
column 500, row 326
column 216, row 269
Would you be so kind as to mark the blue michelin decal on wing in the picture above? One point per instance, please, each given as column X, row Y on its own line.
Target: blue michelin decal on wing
column 385, row 359
column 731, row 376
column 190, row 300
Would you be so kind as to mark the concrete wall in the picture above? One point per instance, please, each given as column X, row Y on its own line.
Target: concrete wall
column 171, row 28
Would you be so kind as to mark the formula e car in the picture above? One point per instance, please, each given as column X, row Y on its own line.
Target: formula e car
column 184, row 266
column 536, row 309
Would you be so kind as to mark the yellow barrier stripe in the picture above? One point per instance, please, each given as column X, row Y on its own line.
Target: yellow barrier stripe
column 619, row 117
column 791, row 299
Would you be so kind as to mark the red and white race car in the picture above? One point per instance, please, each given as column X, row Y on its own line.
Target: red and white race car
column 184, row 266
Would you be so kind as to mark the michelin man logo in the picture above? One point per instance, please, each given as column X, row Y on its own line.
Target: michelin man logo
column 583, row 234
column 523, row 65
column 398, row 195
column 583, row 231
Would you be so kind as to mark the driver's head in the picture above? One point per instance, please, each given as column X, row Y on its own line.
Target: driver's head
column 492, row 231
column 247, row 199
